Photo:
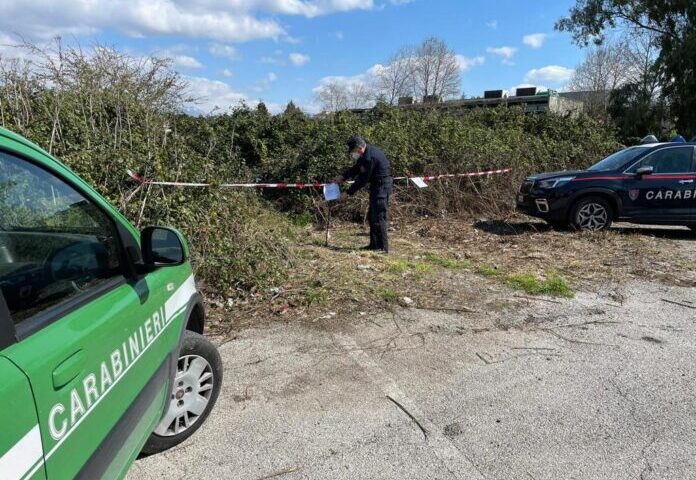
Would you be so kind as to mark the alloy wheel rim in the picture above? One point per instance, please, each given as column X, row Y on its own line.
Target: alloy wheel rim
column 592, row 216
column 190, row 395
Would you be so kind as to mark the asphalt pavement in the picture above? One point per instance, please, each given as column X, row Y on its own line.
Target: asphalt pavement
column 596, row 387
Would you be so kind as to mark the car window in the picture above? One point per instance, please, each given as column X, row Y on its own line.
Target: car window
column 668, row 160
column 54, row 243
column 617, row 160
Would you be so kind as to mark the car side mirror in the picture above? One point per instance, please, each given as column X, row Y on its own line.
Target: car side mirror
column 162, row 247
column 647, row 170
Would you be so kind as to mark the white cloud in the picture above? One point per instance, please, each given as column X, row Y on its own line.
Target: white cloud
column 467, row 63
column 535, row 40
column 265, row 83
column 10, row 48
column 185, row 61
column 272, row 60
column 225, row 51
column 493, row 24
column 506, row 53
column 212, row 95
column 354, row 81
column 307, row 8
column 222, row 20
column 227, row 73
column 178, row 59
column 292, row 40
column 299, row 59
column 554, row 74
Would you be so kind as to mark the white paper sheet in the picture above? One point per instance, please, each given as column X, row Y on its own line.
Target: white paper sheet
column 419, row 182
column 332, row 192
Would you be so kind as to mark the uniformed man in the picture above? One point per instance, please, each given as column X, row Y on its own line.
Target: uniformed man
column 371, row 167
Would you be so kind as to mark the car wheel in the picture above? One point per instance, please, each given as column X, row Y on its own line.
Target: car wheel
column 194, row 392
column 591, row 213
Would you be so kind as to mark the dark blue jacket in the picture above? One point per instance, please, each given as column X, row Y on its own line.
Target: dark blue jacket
column 373, row 168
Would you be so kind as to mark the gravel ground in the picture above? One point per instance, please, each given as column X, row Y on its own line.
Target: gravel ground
column 600, row 386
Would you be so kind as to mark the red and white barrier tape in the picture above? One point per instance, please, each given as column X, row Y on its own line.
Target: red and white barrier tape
column 140, row 179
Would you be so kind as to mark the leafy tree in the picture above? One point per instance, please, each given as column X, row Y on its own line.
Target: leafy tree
column 635, row 113
column 674, row 24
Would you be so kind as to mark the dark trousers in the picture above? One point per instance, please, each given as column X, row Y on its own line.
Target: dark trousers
column 379, row 204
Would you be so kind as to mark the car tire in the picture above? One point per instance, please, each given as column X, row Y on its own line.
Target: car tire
column 591, row 213
column 194, row 393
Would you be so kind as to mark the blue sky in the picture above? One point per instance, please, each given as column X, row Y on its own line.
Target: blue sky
column 278, row 50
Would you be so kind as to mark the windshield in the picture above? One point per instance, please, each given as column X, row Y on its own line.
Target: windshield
column 617, row 160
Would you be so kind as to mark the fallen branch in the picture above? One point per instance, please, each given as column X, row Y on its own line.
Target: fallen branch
column 485, row 360
column 534, row 348
column 457, row 309
column 678, row 303
column 593, row 322
column 538, row 298
column 571, row 340
column 403, row 409
column 280, row 473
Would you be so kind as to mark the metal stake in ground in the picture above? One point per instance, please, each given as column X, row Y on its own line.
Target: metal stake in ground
column 328, row 223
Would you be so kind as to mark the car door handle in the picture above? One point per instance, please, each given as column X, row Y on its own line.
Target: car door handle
column 686, row 181
column 69, row 368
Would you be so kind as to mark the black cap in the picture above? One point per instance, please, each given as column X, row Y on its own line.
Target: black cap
column 355, row 141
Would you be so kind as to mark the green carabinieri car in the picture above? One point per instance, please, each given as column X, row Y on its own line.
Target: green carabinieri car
column 101, row 347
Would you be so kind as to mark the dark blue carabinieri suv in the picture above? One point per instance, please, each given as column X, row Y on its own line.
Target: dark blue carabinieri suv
column 651, row 183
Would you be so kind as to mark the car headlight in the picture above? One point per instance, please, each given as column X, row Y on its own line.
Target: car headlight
column 554, row 182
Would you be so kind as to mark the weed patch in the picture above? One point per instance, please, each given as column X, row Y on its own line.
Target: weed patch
column 315, row 296
column 553, row 285
column 389, row 295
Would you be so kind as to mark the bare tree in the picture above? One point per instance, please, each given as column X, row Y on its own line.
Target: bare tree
column 396, row 78
column 605, row 68
column 436, row 70
column 643, row 51
column 333, row 96
column 341, row 94
column 360, row 95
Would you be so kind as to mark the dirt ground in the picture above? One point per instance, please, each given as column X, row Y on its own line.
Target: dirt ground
column 476, row 350
column 530, row 257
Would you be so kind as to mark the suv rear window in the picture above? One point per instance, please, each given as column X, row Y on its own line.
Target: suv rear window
column 54, row 243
